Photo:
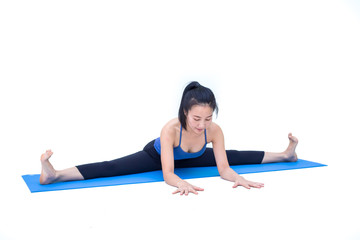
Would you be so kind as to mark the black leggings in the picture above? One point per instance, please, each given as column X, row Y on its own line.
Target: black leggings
column 149, row 160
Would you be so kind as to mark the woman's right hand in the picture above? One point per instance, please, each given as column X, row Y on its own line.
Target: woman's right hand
column 185, row 188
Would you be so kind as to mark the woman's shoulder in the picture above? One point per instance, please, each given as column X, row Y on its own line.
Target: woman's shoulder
column 213, row 132
column 172, row 124
column 214, row 127
column 171, row 128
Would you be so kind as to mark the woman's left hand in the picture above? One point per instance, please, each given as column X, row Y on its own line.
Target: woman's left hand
column 240, row 181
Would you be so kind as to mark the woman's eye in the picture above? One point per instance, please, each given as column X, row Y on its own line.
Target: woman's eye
column 208, row 119
column 197, row 120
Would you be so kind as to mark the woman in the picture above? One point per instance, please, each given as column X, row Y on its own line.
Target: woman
column 182, row 144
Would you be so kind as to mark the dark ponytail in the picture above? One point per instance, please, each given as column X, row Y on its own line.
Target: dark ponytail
column 195, row 94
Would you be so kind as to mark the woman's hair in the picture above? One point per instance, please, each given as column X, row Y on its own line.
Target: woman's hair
column 195, row 94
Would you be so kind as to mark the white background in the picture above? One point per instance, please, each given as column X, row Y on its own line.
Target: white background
column 96, row 80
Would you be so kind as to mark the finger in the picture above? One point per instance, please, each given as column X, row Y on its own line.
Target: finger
column 186, row 192
column 198, row 188
column 256, row 184
column 253, row 184
column 193, row 191
column 245, row 185
column 241, row 184
column 177, row 191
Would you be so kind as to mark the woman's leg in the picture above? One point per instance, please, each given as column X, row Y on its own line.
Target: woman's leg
column 236, row 157
column 134, row 163
column 50, row 175
column 288, row 155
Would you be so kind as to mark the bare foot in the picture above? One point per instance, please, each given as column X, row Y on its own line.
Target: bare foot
column 48, row 173
column 290, row 151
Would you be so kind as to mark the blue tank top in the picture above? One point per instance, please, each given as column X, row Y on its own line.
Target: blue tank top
column 178, row 152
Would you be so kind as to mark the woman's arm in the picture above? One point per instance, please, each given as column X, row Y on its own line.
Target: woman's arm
column 167, row 162
column 223, row 164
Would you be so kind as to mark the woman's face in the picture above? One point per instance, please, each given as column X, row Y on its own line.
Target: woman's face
column 199, row 118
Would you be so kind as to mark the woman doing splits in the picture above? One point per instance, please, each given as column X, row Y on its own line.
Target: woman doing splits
column 182, row 144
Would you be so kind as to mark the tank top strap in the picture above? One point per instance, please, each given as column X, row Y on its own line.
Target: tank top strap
column 205, row 137
column 180, row 134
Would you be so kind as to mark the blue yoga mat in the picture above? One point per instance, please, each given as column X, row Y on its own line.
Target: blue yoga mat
column 32, row 181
